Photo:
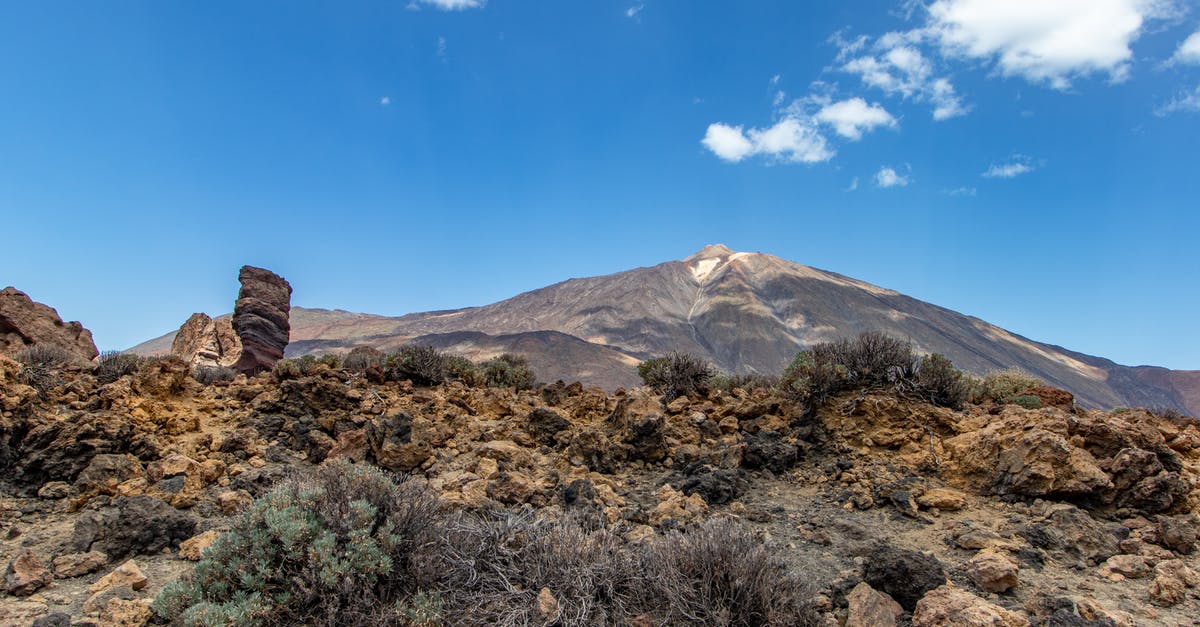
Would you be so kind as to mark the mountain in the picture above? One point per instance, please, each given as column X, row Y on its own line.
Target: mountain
column 747, row 312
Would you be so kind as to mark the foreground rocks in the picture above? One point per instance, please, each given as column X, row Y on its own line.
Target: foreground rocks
column 25, row 323
column 881, row 503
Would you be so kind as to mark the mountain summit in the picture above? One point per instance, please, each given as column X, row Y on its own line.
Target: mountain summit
column 747, row 312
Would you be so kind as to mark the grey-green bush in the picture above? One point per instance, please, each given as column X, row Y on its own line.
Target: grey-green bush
column 508, row 371
column 346, row 545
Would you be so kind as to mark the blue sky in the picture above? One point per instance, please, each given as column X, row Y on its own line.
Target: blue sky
column 1031, row 163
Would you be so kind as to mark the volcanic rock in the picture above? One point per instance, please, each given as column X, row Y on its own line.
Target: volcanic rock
column 903, row 574
column 205, row 341
column 948, row 605
column 993, row 571
column 25, row 322
column 25, row 575
column 260, row 318
column 134, row 525
column 868, row 607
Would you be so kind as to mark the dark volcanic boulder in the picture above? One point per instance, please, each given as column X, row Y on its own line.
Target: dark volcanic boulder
column 906, row 575
column 133, row 525
column 260, row 318
column 25, row 323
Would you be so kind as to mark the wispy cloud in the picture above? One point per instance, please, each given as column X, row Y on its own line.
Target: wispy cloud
column 960, row 191
column 1183, row 102
column 1189, row 51
column 1014, row 167
column 898, row 68
column 888, row 177
column 385, row 101
column 789, row 140
column 454, row 5
column 853, row 185
column 632, row 12
column 441, row 47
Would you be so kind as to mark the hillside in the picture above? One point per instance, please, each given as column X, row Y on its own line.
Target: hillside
column 747, row 312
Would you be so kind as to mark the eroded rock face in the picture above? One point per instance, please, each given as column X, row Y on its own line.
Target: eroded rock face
column 205, row 341
column 25, row 322
column 260, row 318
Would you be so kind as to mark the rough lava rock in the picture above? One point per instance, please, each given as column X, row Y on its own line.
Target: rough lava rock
column 903, row 574
column 25, row 322
column 260, row 318
column 205, row 341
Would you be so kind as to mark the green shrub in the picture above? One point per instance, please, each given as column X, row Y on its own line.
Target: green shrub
column 114, row 364
column 209, row 375
column 872, row 359
column 938, row 382
column 362, row 358
column 460, row 368
column 1028, row 401
column 423, row 365
column 508, row 371
column 677, row 374
column 1006, row 386
column 747, row 382
column 295, row 368
column 346, row 545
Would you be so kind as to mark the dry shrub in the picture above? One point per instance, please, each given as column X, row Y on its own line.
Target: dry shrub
column 720, row 574
column 938, row 382
column 872, row 359
column 114, row 364
column 423, row 365
column 40, row 364
column 362, row 358
column 677, row 374
column 1010, row 387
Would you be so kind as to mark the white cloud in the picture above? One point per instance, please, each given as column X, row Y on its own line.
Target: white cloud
column 888, row 177
column 456, row 5
column 791, row 139
column 853, row 185
column 1187, row 101
column 727, row 142
column 1045, row 41
column 1189, row 50
column 441, row 46
column 900, row 69
column 849, row 118
column 1016, row 166
column 385, row 101
column 632, row 11
column 960, row 191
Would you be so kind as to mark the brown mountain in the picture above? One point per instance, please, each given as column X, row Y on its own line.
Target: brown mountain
column 747, row 312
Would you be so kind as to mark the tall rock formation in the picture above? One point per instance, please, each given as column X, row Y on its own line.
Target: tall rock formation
column 25, row 322
column 260, row 318
column 250, row 341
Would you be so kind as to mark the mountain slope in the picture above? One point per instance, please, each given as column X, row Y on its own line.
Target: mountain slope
column 747, row 312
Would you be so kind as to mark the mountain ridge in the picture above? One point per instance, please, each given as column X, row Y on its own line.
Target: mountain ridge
column 745, row 311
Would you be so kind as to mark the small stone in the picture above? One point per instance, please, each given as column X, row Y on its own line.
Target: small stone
column 23, row 613
column 948, row 605
column 25, row 575
column 993, row 571
column 192, row 548
column 869, row 607
column 548, row 605
column 127, row 574
column 233, row 501
column 944, row 499
column 1128, row 566
column 100, row 600
column 1172, row 578
column 54, row 490
column 126, row 612
column 76, row 564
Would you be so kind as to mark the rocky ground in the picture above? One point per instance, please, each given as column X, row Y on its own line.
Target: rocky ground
column 897, row 511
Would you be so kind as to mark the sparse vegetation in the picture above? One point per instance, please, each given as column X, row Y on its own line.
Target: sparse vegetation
column 345, row 545
column 349, row 544
column 363, row 358
column 508, row 371
column 748, row 382
column 1010, row 387
column 423, row 365
column 938, row 382
column 114, row 364
column 39, row 364
column 677, row 374
column 295, row 368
